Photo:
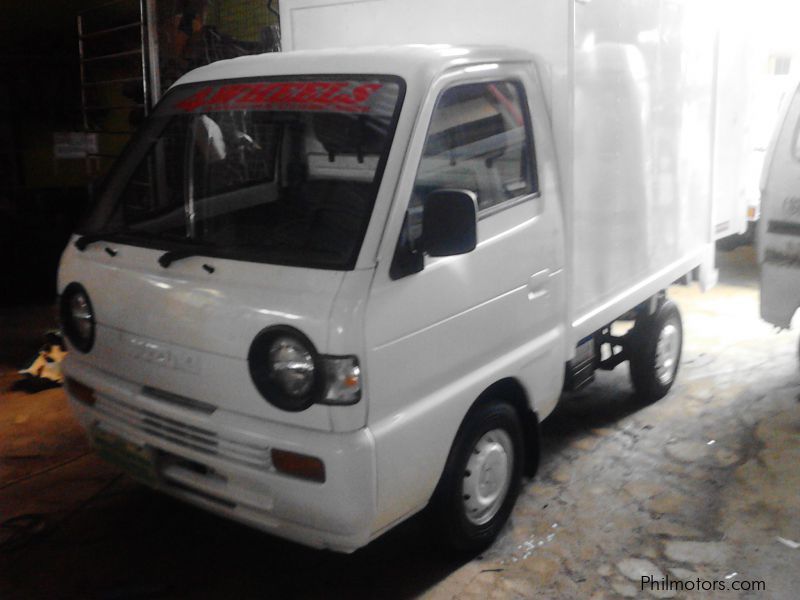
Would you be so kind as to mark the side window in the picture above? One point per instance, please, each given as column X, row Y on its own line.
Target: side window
column 479, row 140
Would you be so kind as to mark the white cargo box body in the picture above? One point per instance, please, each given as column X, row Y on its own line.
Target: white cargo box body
column 631, row 91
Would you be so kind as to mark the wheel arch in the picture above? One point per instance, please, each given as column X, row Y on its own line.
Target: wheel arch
column 510, row 390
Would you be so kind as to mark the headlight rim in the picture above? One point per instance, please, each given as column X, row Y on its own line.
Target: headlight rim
column 68, row 325
column 259, row 367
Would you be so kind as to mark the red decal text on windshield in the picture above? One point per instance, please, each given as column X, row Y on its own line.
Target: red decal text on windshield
column 334, row 96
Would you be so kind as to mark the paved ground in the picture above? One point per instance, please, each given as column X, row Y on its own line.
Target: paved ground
column 704, row 484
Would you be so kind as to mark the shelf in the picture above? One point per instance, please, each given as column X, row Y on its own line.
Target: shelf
column 111, row 56
column 110, row 81
column 113, row 107
column 101, row 32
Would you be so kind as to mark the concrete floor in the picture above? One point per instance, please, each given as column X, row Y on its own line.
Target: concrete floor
column 702, row 484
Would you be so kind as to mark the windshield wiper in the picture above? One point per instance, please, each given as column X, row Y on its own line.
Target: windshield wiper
column 169, row 257
column 90, row 238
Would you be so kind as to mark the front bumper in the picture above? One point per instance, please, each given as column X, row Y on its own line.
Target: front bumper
column 221, row 461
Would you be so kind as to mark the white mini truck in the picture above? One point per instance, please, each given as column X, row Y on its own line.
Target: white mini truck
column 323, row 290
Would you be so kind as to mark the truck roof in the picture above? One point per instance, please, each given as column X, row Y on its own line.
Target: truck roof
column 413, row 62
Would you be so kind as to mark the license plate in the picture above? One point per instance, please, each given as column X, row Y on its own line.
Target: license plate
column 137, row 461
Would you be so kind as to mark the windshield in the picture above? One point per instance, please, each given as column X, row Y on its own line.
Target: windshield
column 282, row 171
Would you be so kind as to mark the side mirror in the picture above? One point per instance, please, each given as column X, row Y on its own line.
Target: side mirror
column 450, row 222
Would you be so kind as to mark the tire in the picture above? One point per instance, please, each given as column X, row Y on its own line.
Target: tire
column 481, row 479
column 654, row 347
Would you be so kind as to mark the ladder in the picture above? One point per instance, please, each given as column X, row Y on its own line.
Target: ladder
column 117, row 45
column 123, row 66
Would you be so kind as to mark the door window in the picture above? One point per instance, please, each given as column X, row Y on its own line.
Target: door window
column 479, row 139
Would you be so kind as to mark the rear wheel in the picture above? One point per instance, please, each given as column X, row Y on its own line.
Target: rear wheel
column 482, row 478
column 654, row 347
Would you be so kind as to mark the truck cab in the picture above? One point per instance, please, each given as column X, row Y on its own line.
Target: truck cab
column 286, row 305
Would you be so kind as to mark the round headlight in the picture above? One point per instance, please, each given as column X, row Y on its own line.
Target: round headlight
column 292, row 366
column 285, row 368
column 77, row 317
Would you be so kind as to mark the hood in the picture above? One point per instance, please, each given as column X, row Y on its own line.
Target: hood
column 187, row 329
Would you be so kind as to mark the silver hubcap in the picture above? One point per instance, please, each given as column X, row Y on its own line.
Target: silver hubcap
column 667, row 350
column 487, row 476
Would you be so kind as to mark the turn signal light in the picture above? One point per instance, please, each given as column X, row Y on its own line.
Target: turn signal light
column 344, row 380
column 299, row 465
column 81, row 393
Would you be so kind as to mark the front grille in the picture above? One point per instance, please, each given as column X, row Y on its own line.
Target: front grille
column 182, row 434
column 181, row 401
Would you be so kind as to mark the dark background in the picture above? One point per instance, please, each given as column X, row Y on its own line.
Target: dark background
column 42, row 198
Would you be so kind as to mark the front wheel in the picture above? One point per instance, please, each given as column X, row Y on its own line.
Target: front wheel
column 655, row 345
column 482, row 478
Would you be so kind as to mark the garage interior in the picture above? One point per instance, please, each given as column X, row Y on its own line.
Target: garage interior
column 702, row 484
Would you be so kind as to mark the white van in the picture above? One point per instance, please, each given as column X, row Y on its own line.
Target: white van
column 779, row 227
column 325, row 289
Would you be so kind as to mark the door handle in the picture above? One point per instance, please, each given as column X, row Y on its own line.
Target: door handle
column 538, row 284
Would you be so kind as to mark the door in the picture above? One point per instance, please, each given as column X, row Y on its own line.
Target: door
column 438, row 337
